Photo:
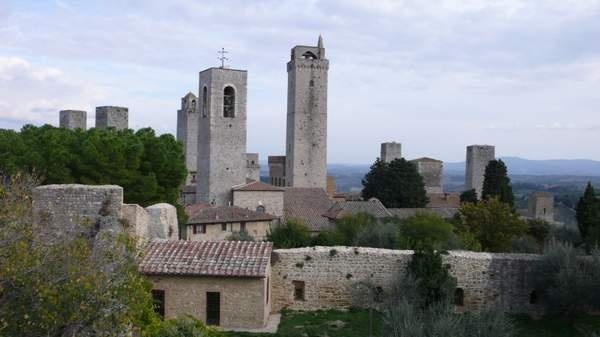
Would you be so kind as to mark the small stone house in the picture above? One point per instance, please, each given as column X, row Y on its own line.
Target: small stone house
column 222, row 283
column 258, row 196
column 217, row 223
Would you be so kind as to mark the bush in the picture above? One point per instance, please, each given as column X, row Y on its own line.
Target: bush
column 538, row 229
column 292, row 234
column 524, row 244
column 434, row 283
column 380, row 235
column 186, row 326
column 424, row 230
column 567, row 281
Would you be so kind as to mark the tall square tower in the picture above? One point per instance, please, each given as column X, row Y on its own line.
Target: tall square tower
column 112, row 117
column 478, row 157
column 306, row 137
column 390, row 151
column 221, row 134
column 73, row 119
column 187, row 133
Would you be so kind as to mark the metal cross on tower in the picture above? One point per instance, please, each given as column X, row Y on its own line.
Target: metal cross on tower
column 222, row 58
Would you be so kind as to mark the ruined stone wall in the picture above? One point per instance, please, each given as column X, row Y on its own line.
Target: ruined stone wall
column 75, row 208
column 330, row 274
column 112, row 117
column 73, row 119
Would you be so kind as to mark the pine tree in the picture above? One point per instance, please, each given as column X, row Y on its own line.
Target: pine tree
column 397, row 184
column 469, row 196
column 588, row 215
column 496, row 183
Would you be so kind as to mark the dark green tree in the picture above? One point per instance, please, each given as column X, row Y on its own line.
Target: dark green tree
column 424, row 230
column 496, row 183
column 397, row 184
column 291, row 234
column 469, row 196
column 435, row 284
column 588, row 215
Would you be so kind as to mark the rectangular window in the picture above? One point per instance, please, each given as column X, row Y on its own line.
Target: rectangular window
column 298, row 290
column 223, row 226
column 242, row 227
column 213, row 308
column 203, row 231
column 158, row 302
column 194, row 229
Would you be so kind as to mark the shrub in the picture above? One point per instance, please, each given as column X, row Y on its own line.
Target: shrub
column 186, row 326
column 240, row 236
column 524, row 244
column 379, row 235
column 434, row 283
column 424, row 230
column 538, row 229
column 292, row 234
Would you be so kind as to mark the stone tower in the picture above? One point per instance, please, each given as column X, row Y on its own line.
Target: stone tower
column 390, row 151
column 73, row 119
column 187, row 133
column 112, row 117
column 222, row 134
column 478, row 157
column 541, row 206
column 252, row 166
column 306, row 137
column 277, row 170
column 432, row 172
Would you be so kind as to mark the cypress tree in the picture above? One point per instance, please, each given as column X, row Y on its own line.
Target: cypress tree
column 588, row 214
column 496, row 183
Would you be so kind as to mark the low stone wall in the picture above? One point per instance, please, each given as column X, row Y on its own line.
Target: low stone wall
column 330, row 274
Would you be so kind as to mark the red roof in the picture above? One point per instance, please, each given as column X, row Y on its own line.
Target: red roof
column 227, row 214
column 207, row 258
column 253, row 185
column 307, row 204
column 192, row 209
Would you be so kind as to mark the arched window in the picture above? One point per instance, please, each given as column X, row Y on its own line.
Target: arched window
column 309, row 56
column 229, row 102
column 194, row 105
column 261, row 209
column 204, row 102
column 459, row 297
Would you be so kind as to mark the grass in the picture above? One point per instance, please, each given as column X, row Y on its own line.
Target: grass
column 355, row 323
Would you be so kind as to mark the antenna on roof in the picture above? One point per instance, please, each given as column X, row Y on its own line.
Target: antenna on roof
column 222, row 58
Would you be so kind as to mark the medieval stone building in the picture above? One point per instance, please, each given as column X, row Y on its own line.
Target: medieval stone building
column 112, row 117
column 478, row 157
column 187, row 134
column 390, row 151
column 73, row 119
column 306, row 138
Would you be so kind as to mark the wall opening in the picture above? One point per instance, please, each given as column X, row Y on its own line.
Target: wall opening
column 533, row 297
column 213, row 308
column 261, row 209
column 158, row 302
column 229, row 102
column 459, row 297
column 298, row 290
column 204, row 102
column 224, row 227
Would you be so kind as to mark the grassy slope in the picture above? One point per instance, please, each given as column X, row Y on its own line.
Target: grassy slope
column 356, row 324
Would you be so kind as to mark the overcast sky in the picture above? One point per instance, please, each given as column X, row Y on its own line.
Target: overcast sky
column 434, row 75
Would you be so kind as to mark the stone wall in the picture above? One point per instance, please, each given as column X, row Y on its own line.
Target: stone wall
column 112, row 117
column 330, row 274
column 243, row 301
column 162, row 222
column 271, row 200
column 75, row 208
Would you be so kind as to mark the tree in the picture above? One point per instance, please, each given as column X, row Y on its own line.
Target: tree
column 424, row 230
column 567, row 281
column 469, row 196
column 378, row 235
column 186, row 326
column 397, row 184
column 435, row 285
column 588, row 216
column 493, row 223
column 496, row 183
column 58, row 285
column 291, row 234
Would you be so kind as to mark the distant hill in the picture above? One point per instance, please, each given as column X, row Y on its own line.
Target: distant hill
column 520, row 166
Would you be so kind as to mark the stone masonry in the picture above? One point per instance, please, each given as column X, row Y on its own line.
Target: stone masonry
column 252, row 166
column 222, row 134
column 390, row 151
column 187, row 134
column 478, row 157
column 277, row 171
column 329, row 275
column 73, row 119
column 306, row 137
column 541, row 206
column 112, row 117
column 432, row 172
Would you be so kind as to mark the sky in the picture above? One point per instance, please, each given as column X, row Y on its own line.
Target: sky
column 523, row 75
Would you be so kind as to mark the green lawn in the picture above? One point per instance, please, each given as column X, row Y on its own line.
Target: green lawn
column 355, row 323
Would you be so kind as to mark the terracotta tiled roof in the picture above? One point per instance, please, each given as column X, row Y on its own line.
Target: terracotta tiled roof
column 253, row 185
column 404, row 213
column 192, row 209
column 207, row 258
column 308, row 205
column 226, row 214
column 427, row 159
column 372, row 206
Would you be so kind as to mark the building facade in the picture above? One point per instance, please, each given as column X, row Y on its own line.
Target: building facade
column 222, row 134
column 541, row 206
column 306, row 137
column 277, row 170
column 432, row 172
column 187, row 134
column 478, row 157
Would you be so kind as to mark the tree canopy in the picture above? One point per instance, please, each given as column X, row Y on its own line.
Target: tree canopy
column 397, row 184
column 150, row 168
column 496, row 183
column 588, row 216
